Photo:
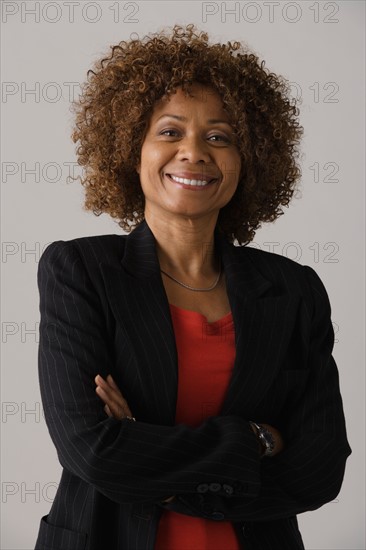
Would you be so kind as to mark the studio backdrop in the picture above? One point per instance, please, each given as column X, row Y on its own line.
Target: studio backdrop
column 47, row 49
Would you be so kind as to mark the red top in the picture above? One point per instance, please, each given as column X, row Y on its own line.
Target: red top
column 206, row 354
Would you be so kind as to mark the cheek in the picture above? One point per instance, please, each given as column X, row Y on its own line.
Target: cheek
column 153, row 161
column 231, row 169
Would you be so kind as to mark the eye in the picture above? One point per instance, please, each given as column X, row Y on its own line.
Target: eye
column 222, row 138
column 165, row 131
column 219, row 136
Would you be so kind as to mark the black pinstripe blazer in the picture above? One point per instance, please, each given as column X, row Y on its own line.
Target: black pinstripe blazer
column 104, row 310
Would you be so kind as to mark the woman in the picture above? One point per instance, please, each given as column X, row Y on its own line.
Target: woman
column 188, row 384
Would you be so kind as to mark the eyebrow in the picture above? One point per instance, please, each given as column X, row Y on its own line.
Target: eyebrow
column 184, row 119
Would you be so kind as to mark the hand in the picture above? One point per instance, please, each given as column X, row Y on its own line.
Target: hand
column 115, row 404
column 169, row 499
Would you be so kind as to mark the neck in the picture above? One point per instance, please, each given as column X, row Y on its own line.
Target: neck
column 185, row 246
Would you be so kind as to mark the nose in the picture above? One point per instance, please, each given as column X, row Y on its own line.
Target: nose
column 193, row 148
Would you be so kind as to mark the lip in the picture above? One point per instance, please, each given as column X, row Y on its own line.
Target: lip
column 187, row 186
column 194, row 176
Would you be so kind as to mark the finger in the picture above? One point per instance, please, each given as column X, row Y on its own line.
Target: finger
column 107, row 410
column 115, row 408
column 109, row 388
column 99, row 380
column 112, row 382
column 169, row 499
column 116, row 388
column 107, row 397
column 107, row 380
column 113, row 397
column 113, row 392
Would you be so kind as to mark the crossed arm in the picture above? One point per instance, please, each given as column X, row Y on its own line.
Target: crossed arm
column 116, row 406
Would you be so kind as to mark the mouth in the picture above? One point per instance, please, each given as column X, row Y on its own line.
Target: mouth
column 191, row 184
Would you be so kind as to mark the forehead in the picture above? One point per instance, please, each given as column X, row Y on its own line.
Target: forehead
column 201, row 97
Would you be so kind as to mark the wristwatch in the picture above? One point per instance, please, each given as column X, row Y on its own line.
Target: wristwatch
column 265, row 438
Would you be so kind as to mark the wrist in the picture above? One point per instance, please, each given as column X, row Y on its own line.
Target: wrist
column 265, row 438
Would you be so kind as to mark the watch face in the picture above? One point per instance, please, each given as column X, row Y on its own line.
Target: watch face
column 267, row 440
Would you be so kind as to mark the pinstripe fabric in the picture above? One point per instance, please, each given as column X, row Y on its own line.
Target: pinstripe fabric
column 104, row 310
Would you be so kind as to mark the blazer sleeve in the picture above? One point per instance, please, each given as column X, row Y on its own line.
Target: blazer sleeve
column 126, row 461
column 309, row 472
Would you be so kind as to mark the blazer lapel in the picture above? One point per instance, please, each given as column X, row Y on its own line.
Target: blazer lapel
column 263, row 321
column 264, row 317
column 138, row 300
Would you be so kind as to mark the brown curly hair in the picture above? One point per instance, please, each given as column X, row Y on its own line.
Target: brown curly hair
column 116, row 102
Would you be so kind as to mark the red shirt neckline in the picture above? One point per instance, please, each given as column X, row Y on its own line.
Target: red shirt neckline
column 195, row 315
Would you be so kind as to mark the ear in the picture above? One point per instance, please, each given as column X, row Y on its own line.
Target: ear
column 138, row 167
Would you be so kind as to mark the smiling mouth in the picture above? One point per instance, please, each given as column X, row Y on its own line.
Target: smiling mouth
column 188, row 183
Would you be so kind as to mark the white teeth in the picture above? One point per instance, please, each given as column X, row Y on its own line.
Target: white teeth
column 189, row 182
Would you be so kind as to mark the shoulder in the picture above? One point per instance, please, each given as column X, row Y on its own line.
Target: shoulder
column 76, row 263
column 89, row 250
column 266, row 257
column 286, row 274
column 271, row 265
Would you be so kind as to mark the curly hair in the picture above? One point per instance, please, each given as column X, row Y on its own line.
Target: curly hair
column 117, row 100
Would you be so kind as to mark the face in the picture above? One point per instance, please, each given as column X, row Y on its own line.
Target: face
column 189, row 164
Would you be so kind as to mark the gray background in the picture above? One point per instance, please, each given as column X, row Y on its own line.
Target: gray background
column 318, row 46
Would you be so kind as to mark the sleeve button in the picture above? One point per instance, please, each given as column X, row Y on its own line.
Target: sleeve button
column 214, row 487
column 217, row 515
column 203, row 488
column 228, row 489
